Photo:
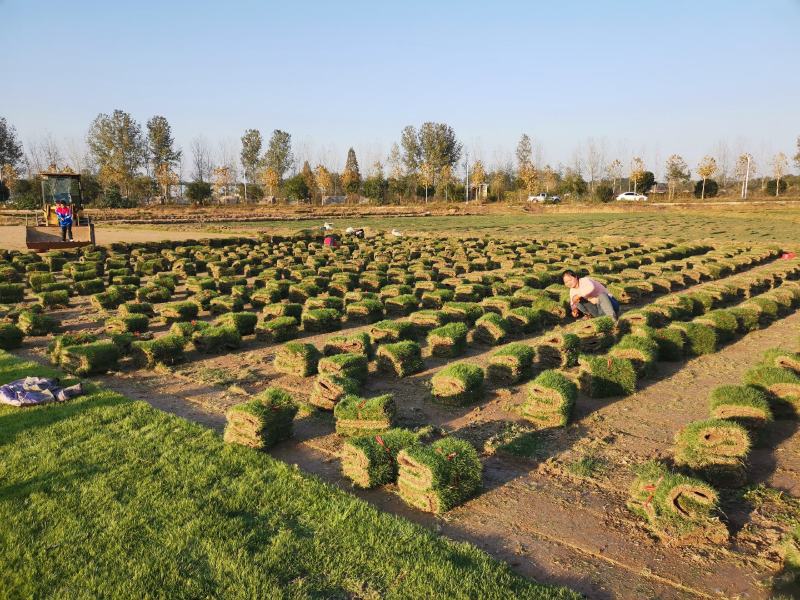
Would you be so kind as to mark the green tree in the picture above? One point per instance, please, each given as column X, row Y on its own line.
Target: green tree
column 10, row 146
column 251, row 150
column 308, row 177
column 198, row 191
column 706, row 170
column 296, row 187
column 160, row 143
column 351, row 176
column 412, row 153
column 375, row 185
column 603, row 193
column 279, row 153
column 438, row 145
column 705, row 188
column 677, row 173
column 118, row 147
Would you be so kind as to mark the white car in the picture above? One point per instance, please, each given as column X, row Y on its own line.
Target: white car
column 632, row 196
column 545, row 198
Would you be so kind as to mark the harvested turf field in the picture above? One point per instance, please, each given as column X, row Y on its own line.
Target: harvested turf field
column 563, row 417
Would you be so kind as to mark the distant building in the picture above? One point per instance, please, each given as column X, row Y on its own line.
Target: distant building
column 329, row 200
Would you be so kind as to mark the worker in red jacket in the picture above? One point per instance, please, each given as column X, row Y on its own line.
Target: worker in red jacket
column 64, row 214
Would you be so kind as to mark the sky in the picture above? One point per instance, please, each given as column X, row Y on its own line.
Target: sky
column 639, row 77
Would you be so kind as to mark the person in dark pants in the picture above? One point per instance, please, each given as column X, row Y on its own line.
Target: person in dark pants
column 64, row 214
column 589, row 297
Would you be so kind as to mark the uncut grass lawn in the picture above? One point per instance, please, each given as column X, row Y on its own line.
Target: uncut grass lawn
column 106, row 497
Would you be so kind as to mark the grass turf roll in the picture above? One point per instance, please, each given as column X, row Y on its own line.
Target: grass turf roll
column 438, row 477
column 285, row 309
column 392, row 331
column 680, row 510
column 401, row 305
column 606, row 376
column 741, row 403
column 356, row 416
column 368, row 310
column 217, row 338
column 593, row 334
column 279, row 329
column 428, row 319
column 490, row 329
column 465, row 312
column 400, row 359
column 321, row 320
column 60, row 342
column 297, row 358
column 225, row 304
column 557, row 350
column 640, row 350
column 136, row 308
column 350, row 365
column 36, row 324
column 747, row 319
column 525, row 319
column 11, row 293
column 330, row 388
column 11, row 336
column 782, row 385
column 448, row 340
column 263, row 421
column 371, row 460
column 131, row 323
column 784, row 359
column 244, row 322
column 716, row 449
column 723, row 322
column 56, row 298
column 178, row 311
column 357, row 343
column 511, row 364
column 671, row 342
column 550, row 400
column 458, row 384
column 700, row 338
column 165, row 350
column 90, row 359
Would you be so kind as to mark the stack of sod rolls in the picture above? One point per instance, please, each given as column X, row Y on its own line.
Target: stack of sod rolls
column 178, row 311
column 606, row 376
column 297, row 358
column 782, row 385
column 136, row 308
column 216, row 338
column 330, row 388
column 321, row 320
column 136, row 323
column 54, row 298
column 491, row 329
column 371, row 460
column 60, row 342
column 262, row 421
column 700, row 338
column 464, row 312
column 741, row 403
column 425, row 320
column 10, row 336
column 244, row 322
column 511, row 364
column 680, row 510
column 35, row 323
column 448, row 340
column 165, row 350
column 400, row 359
column 551, row 398
column 368, row 310
column 640, row 350
column 525, row 319
column 458, row 384
column 558, row 350
column 392, row 331
column 90, row 359
column 358, row 343
column 593, row 334
column 715, row 449
column 279, row 329
column 354, row 366
column 438, row 477
column 356, row 416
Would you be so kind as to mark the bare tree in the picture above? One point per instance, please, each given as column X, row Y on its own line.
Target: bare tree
column 595, row 160
column 724, row 158
column 201, row 159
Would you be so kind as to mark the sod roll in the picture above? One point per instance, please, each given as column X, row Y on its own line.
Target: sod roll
column 550, row 399
column 400, row 359
column 744, row 404
column 371, row 460
column 511, row 364
column 458, row 384
column 716, row 449
column 357, row 416
column 297, row 358
column 606, row 376
column 330, row 388
column 448, row 340
column 263, row 421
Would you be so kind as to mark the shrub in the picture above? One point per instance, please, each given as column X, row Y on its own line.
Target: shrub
column 448, row 340
column 551, row 398
column 603, row 193
column 401, row 358
column 511, row 364
column 458, row 384
column 297, row 358
column 263, row 421
column 711, row 189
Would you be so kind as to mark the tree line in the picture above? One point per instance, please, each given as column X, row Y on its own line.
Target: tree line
column 127, row 163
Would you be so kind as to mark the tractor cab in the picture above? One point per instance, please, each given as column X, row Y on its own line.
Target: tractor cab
column 45, row 234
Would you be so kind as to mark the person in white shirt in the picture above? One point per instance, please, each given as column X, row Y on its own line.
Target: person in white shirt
column 589, row 297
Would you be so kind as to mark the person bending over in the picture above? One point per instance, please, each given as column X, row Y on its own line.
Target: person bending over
column 589, row 297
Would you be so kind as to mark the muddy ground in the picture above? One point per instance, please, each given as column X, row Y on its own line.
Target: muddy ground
column 558, row 516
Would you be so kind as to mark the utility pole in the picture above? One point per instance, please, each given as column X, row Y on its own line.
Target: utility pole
column 746, row 179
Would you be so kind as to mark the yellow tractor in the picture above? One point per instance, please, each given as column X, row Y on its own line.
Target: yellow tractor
column 45, row 234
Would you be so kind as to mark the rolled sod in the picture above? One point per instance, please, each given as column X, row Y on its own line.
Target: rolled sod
column 400, row 359
column 131, row 323
column 557, row 350
column 368, row 310
column 606, row 376
column 178, row 311
column 465, row 312
column 263, row 421
column 56, row 298
column 279, row 329
column 448, row 340
column 136, row 308
column 593, row 334
column 640, row 350
column 187, row 328
column 243, row 322
column 784, row 359
column 401, row 305
column 550, row 400
column 491, row 329
column 723, row 322
column 652, row 316
column 747, row 319
column 216, row 339
column 783, row 385
column 511, row 364
column 437, row 298
column 498, row 304
column 671, row 342
column 525, row 319
column 60, row 342
column 716, row 449
column 355, row 366
column 438, row 477
column 700, row 338
column 11, row 336
column 321, row 320
column 356, row 416
column 225, row 304
column 286, row 309
column 680, row 510
column 745, row 404
column 297, row 358
column 166, row 350
column 357, row 343
column 392, row 331
column 11, row 293
column 36, row 323
column 428, row 319
column 767, row 308
column 330, row 388
column 458, row 384
column 90, row 359
column 107, row 300
column 371, row 460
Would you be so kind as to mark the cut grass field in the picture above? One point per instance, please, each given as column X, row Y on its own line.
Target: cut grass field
column 107, row 497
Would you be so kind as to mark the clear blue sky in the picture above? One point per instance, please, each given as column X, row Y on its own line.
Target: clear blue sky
column 650, row 78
